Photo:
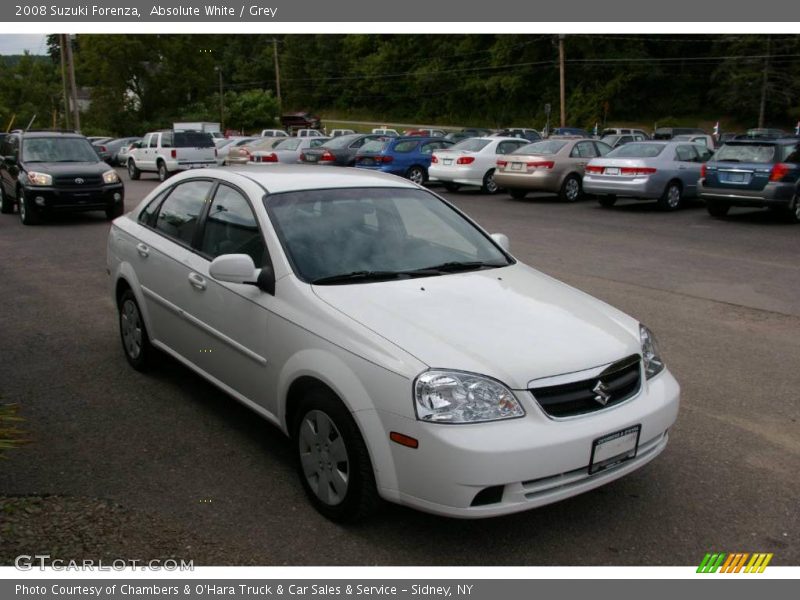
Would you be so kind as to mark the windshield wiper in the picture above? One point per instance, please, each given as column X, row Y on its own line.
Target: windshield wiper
column 373, row 276
column 453, row 266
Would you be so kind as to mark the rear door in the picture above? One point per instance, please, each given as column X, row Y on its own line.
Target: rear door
column 581, row 154
column 687, row 159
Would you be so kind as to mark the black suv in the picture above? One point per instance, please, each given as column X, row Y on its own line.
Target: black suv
column 51, row 171
column 759, row 173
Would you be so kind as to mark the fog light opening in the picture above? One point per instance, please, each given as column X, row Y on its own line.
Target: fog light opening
column 39, row 200
column 489, row 495
column 117, row 196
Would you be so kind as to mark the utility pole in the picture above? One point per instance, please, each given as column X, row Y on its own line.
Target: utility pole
column 76, row 114
column 762, row 109
column 221, row 101
column 277, row 74
column 62, row 45
column 561, row 78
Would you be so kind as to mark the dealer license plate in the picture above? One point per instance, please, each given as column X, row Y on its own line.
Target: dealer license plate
column 614, row 448
column 611, row 171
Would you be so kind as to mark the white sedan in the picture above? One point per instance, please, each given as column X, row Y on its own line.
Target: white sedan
column 288, row 151
column 471, row 162
column 406, row 353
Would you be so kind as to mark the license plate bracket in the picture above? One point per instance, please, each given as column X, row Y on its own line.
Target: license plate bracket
column 614, row 448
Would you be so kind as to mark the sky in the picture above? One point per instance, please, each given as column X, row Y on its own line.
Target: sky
column 34, row 43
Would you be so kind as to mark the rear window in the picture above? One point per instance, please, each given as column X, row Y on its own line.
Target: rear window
column 373, row 146
column 471, row 145
column 636, row 150
column 193, row 139
column 340, row 142
column 406, row 146
column 750, row 153
column 548, row 147
column 290, row 144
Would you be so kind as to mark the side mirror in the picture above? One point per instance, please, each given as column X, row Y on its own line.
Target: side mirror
column 240, row 268
column 501, row 239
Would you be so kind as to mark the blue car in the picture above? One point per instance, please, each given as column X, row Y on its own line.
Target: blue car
column 408, row 157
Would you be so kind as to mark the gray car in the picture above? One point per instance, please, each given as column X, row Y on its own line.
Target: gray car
column 652, row 170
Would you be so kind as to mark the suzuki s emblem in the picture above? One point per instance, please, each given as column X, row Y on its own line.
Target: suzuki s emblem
column 79, row 180
column 602, row 393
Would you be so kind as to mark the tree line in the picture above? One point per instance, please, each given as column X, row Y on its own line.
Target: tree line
column 140, row 82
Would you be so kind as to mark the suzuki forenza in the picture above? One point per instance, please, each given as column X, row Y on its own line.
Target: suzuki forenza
column 408, row 355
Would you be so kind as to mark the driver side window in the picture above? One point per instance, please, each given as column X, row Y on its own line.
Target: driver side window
column 231, row 227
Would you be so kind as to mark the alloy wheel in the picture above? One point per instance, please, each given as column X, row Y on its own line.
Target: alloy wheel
column 131, row 325
column 323, row 456
column 572, row 190
column 674, row 196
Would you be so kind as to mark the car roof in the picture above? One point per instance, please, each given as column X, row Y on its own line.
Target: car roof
column 290, row 178
column 45, row 133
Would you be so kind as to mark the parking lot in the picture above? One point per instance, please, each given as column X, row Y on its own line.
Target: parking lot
column 722, row 297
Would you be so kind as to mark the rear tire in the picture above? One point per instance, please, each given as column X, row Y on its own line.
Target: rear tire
column 571, row 189
column 489, row 185
column 450, row 186
column 6, row 205
column 332, row 459
column 115, row 210
column 133, row 172
column 791, row 213
column 607, row 201
column 417, row 174
column 718, row 210
column 133, row 332
column 163, row 174
column 518, row 194
column 672, row 196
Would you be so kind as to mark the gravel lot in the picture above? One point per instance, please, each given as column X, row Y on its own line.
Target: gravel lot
column 184, row 471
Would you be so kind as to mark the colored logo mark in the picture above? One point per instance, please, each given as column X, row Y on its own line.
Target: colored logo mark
column 737, row 562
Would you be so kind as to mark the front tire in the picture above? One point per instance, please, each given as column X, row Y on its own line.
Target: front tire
column 332, row 458
column 489, row 184
column 133, row 332
column 672, row 196
column 571, row 189
column 115, row 210
column 27, row 212
column 518, row 194
column 133, row 172
column 6, row 205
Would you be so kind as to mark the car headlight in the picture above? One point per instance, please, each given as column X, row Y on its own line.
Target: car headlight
column 36, row 178
column 110, row 177
column 458, row 397
column 653, row 364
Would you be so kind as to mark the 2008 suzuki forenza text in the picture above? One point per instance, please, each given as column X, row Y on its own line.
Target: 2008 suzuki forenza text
column 403, row 349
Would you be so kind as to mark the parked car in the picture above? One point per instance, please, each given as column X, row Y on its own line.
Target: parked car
column 98, row 139
column 764, row 134
column 402, row 349
column 639, row 135
column 118, row 149
column 288, row 151
column 386, row 132
column 472, row 162
column 520, row 132
column 300, row 120
column 170, row 151
column 239, row 152
column 338, row 132
column 44, row 172
column 308, row 133
column 756, row 173
column 426, row 132
column 339, row 151
column 666, row 171
column 408, row 157
column 469, row 132
column 667, row 133
column 697, row 138
column 273, row 133
column 570, row 132
column 102, row 151
column 615, row 140
column 553, row 165
column 223, row 148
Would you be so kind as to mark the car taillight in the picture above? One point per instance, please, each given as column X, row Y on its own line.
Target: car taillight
column 434, row 159
column 384, row 159
column 703, row 171
column 541, row 164
column 637, row 170
column 271, row 157
column 174, row 153
column 779, row 171
column 103, row 149
column 465, row 160
column 326, row 156
column 502, row 163
column 593, row 169
column 302, row 156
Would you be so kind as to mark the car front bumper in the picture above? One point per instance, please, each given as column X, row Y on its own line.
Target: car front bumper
column 777, row 194
column 537, row 460
column 64, row 200
column 628, row 187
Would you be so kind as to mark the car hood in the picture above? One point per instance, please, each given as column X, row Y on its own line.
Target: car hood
column 514, row 323
column 68, row 168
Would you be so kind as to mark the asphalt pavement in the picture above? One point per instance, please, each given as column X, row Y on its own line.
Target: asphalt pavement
column 723, row 298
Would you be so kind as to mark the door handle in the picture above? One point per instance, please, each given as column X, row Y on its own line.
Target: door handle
column 143, row 250
column 197, row 282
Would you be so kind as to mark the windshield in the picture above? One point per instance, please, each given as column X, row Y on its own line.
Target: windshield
column 340, row 141
column 751, row 153
column 548, row 147
column 634, row 150
column 471, row 145
column 386, row 231
column 58, row 149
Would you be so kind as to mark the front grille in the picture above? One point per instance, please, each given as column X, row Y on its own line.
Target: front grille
column 68, row 181
column 620, row 381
